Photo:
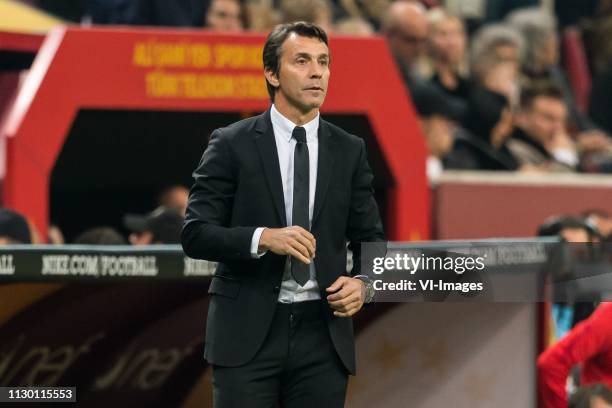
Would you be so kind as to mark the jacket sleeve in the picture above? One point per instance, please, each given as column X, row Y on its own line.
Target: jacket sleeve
column 364, row 224
column 206, row 232
column 584, row 341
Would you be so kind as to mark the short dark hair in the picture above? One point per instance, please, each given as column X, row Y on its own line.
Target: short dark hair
column 556, row 224
column 584, row 396
column 538, row 89
column 100, row 236
column 276, row 38
column 14, row 227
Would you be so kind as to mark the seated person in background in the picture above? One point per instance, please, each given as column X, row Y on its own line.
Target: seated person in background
column 175, row 198
column 225, row 16
column 14, row 228
column 260, row 14
column 499, row 40
column 540, row 138
column 318, row 12
column 354, row 26
column 590, row 344
column 100, row 236
column 541, row 62
column 569, row 228
column 370, row 10
column 405, row 29
column 446, row 64
column 593, row 396
column 161, row 226
column 601, row 220
column 489, row 121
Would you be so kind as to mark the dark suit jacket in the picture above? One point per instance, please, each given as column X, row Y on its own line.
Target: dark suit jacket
column 238, row 188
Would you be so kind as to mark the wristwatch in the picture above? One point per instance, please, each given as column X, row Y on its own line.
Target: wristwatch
column 369, row 287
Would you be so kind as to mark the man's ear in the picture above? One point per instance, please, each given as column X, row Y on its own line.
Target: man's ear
column 272, row 78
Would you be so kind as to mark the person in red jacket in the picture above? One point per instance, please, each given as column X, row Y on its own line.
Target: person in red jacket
column 589, row 343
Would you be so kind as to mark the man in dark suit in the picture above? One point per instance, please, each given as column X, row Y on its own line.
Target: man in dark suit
column 271, row 192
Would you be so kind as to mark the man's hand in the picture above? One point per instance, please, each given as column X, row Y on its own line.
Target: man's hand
column 348, row 297
column 294, row 241
column 593, row 141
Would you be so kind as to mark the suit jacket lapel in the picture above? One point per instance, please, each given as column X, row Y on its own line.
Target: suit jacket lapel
column 325, row 168
column 266, row 145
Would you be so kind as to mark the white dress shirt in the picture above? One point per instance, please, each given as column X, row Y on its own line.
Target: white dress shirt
column 290, row 290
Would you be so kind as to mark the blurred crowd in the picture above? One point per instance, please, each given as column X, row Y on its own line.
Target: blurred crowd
column 497, row 84
column 163, row 225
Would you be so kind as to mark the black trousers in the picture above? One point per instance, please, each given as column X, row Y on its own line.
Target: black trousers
column 296, row 367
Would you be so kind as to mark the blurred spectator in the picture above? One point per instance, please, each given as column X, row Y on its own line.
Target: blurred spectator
column 538, row 28
column 225, row 16
column 600, row 220
column 540, row 139
column 311, row 11
column 474, row 153
column 489, row 120
column 568, row 228
column 592, row 396
column 541, row 57
column 175, row 198
column 100, row 236
column 477, row 12
column 500, row 40
column 405, row 28
column 498, row 77
column 590, row 344
column 161, row 226
column 595, row 150
column 261, row 16
column 14, row 228
column 372, row 11
column 447, row 45
column 354, row 26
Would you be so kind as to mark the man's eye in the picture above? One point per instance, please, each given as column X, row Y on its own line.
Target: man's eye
column 324, row 62
column 301, row 61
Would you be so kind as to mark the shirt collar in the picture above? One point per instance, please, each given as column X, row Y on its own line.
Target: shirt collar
column 286, row 126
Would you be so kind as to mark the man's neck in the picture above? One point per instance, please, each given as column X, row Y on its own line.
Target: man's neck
column 294, row 114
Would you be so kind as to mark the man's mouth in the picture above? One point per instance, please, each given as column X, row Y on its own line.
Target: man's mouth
column 314, row 88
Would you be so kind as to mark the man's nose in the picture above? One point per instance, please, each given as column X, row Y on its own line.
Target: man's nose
column 316, row 70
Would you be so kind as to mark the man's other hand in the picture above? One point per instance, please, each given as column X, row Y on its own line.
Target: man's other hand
column 347, row 296
column 294, row 241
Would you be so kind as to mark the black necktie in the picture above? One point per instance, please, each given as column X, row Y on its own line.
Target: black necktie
column 301, row 184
